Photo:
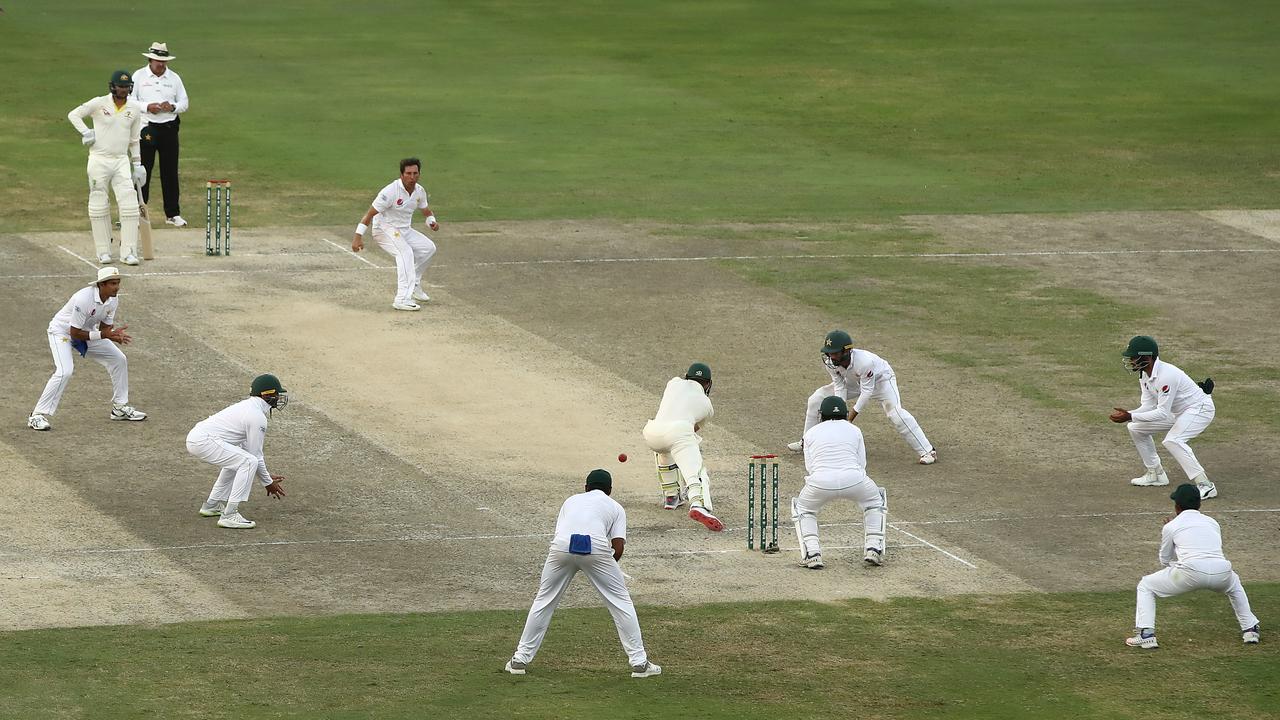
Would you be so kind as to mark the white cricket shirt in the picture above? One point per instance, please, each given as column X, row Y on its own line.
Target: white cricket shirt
column 835, row 455
column 115, row 130
column 590, row 513
column 684, row 401
column 395, row 205
column 243, row 424
column 151, row 88
column 1167, row 392
column 1190, row 537
column 84, row 310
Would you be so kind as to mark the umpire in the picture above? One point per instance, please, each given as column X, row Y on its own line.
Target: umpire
column 161, row 92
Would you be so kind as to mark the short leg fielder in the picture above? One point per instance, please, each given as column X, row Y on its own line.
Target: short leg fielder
column 413, row 252
column 239, row 467
column 113, row 173
column 605, row 575
column 1181, row 430
column 104, row 352
column 890, row 400
column 1173, row 581
column 875, row 513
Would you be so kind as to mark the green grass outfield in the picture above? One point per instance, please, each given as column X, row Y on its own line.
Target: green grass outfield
column 689, row 111
column 1023, row 656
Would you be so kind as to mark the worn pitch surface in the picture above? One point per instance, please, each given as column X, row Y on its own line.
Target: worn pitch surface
column 427, row 453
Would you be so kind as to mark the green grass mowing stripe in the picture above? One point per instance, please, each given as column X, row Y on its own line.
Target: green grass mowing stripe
column 962, row 657
column 722, row 110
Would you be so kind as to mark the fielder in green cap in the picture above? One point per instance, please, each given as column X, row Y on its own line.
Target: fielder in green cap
column 1173, row 404
column 591, row 534
column 1191, row 551
column 867, row 377
column 673, row 437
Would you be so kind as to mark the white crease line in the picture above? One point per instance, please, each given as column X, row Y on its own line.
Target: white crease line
column 935, row 547
column 90, row 263
column 1020, row 518
column 353, row 254
column 704, row 258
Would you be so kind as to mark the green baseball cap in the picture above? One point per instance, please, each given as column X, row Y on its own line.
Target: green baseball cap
column 1187, row 496
column 599, row 480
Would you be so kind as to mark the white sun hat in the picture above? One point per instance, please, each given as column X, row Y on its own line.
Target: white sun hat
column 158, row 51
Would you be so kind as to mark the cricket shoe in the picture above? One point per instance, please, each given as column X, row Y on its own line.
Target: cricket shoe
column 929, row 458
column 175, row 221
column 797, row 446
column 515, row 667
column 873, row 557
column 236, row 521
column 1207, row 488
column 409, row 306
column 105, row 259
column 130, row 260
column 127, row 412
column 213, row 509
column 38, row 422
column 648, row 669
column 1251, row 636
column 418, row 294
column 712, row 523
column 672, row 502
column 813, row 561
column 1153, row 476
column 1144, row 638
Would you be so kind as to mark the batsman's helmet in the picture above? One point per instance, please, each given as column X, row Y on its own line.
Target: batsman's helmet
column 268, row 388
column 1140, row 353
column 833, row 408
column 698, row 371
column 120, row 78
column 837, row 341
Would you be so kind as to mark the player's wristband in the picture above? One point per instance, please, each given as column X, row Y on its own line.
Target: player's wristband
column 95, row 335
column 361, row 229
column 431, row 219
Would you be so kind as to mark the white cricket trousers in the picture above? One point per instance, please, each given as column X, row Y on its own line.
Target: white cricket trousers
column 1186, row 425
column 1215, row 575
column 861, row 490
column 890, row 400
column 104, row 352
column 603, row 572
column 676, row 442
column 413, row 252
column 239, row 466
column 112, row 172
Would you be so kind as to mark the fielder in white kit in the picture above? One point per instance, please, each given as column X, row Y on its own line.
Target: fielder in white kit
column 113, row 140
column 875, row 381
column 86, row 324
column 392, row 215
column 232, row 439
column 835, row 458
column 1191, row 551
column 591, row 534
column 673, row 437
column 1172, row 402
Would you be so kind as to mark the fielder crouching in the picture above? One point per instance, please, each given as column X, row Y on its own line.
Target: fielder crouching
column 835, row 457
column 232, row 439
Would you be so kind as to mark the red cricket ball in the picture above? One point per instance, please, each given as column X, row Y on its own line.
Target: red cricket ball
column 622, row 457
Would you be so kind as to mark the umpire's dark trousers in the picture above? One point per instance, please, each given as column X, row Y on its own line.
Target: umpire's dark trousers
column 162, row 138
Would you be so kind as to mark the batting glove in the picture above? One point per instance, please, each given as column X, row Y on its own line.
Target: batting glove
column 139, row 175
column 86, row 138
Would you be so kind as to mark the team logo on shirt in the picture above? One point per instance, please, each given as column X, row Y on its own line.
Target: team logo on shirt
column 91, row 312
column 1164, row 389
column 868, row 373
column 399, row 201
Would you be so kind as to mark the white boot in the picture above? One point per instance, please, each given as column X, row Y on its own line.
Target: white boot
column 1153, row 476
column 1207, row 489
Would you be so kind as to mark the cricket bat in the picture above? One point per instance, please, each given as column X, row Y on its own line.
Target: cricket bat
column 144, row 227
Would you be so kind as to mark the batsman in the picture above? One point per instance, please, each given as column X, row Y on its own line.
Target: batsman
column 673, row 436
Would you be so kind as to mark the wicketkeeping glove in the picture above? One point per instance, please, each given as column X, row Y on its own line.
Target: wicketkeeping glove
column 1206, row 386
